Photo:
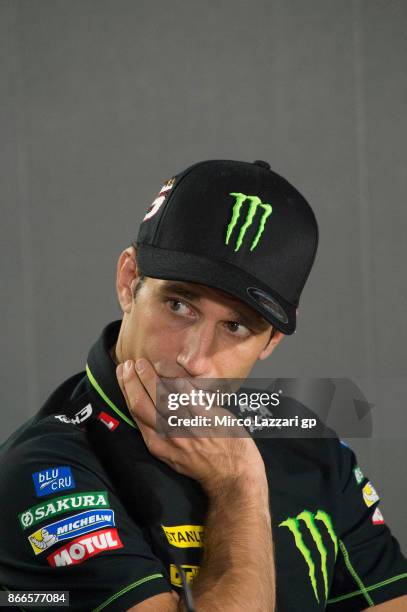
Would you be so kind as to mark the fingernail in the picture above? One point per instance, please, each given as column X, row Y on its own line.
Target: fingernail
column 140, row 363
column 119, row 371
column 127, row 367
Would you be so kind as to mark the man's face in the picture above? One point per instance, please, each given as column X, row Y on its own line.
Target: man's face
column 187, row 329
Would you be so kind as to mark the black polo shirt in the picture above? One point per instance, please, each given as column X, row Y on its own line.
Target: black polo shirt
column 85, row 508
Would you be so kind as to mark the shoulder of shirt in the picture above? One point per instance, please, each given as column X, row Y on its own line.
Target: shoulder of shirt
column 45, row 434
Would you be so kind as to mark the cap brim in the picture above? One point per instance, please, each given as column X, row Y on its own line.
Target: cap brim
column 177, row 265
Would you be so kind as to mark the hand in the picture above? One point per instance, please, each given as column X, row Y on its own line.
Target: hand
column 211, row 460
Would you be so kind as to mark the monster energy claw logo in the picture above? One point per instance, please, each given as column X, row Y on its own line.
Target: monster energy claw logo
column 309, row 519
column 254, row 204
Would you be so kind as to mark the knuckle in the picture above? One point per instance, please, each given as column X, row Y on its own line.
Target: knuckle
column 155, row 448
column 135, row 399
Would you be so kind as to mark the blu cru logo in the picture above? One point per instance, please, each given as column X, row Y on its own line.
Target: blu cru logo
column 52, row 480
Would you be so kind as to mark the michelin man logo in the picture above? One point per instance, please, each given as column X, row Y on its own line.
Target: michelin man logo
column 47, row 540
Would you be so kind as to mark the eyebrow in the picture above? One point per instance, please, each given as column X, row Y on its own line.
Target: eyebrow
column 192, row 295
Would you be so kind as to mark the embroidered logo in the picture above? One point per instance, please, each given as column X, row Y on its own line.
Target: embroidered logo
column 159, row 200
column 184, row 536
column 255, row 204
column 309, row 520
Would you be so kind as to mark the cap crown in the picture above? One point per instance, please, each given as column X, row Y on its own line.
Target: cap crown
column 241, row 214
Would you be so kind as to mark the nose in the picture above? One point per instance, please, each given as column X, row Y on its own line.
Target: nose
column 197, row 350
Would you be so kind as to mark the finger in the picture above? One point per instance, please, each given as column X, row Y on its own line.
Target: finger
column 148, row 377
column 119, row 375
column 145, row 418
column 138, row 400
column 164, row 391
column 177, row 387
column 153, row 383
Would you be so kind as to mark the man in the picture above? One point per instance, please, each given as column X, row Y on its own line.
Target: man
column 121, row 516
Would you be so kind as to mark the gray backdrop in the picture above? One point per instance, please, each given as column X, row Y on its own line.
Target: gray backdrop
column 102, row 100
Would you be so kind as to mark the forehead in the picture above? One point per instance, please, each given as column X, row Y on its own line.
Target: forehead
column 196, row 292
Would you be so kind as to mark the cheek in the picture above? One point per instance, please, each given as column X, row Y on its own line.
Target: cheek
column 159, row 342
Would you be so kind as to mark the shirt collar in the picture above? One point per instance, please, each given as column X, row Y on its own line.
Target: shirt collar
column 101, row 374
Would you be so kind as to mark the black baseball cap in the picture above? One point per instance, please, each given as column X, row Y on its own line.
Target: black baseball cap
column 234, row 226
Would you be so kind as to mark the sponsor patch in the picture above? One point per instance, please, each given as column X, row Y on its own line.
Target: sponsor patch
column 377, row 517
column 190, row 571
column 59, row 505
column 249, row 217
column 84, row 547
column 359, row 476
column 67, row 528
column 108, row 420
column 323, row 539
column 52, row 480
column 82, row 415
column 160, row 199
column 184, row 536
column 370, row 495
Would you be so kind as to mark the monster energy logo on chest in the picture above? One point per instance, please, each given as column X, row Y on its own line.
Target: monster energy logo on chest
column 254, row 204
column 294, row 525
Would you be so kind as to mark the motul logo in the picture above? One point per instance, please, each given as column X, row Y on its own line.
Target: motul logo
column 82, row 548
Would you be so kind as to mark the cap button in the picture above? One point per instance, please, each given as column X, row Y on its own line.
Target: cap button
column 263, row 164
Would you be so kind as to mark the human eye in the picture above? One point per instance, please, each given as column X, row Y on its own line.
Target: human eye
column 238, row 329
column 178, row 306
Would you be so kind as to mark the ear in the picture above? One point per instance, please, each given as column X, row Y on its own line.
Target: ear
column 127, row 275
column 271, row 345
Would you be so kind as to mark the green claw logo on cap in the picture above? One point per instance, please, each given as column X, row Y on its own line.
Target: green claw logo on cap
column 254, row 204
